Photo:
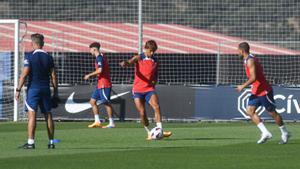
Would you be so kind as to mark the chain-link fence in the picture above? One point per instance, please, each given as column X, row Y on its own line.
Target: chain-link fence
column 197, row 39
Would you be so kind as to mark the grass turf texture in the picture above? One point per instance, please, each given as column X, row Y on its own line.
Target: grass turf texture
column 193, row 145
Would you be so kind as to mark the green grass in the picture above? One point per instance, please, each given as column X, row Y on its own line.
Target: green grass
column 193, row 145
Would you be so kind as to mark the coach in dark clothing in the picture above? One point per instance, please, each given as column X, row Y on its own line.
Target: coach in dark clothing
column 39, row 68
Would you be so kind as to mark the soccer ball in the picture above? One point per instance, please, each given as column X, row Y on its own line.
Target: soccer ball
column 156, row 133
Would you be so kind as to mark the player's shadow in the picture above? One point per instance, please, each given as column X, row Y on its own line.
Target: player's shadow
column 202, row 138
column 101, row 148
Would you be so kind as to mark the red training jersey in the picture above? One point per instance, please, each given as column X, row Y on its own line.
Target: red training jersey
column 261, row 86
column 103, row 77
column 145, row 74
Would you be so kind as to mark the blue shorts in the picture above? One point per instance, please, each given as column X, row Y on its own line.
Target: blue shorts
column 38, row 97
column 145, row 96
column 267, row 101
column 101, row 95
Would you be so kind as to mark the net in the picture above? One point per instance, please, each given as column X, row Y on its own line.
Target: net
column 192, row 35
column 197, row 40
column 280, row 64
column 9, row 110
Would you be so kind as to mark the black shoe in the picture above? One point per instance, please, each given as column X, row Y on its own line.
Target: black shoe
column 28, row 146
column 51, row 146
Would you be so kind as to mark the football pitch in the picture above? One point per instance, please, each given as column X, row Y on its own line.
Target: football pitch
column 193, row 145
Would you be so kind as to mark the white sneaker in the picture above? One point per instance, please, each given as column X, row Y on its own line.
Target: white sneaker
column 109, row 126
column 284, row 138
column 264, row 138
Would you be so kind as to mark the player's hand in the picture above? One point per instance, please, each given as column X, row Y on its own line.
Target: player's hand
column 86, row 77
column 123, row 64
column 55, row 93
column 153, row 82
column 55, row 100
column 17, row 96
column 239, row 88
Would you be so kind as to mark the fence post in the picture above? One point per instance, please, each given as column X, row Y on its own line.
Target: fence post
column 140, row 22
column 16, row 67
column 218, row 65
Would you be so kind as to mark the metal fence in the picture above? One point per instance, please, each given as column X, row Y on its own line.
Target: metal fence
column 197, row 39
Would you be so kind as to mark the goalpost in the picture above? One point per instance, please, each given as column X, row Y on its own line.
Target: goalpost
column 9, row 60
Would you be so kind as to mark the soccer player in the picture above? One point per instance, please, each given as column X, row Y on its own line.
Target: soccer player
column 102, row 92
column 146, row 65
column 39, row 67
column 262, row 95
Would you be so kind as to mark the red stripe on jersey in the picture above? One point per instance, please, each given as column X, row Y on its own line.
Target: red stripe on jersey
column 261, row 86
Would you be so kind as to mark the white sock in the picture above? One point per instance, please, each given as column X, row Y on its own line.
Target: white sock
column 159, row 125
column 263, row 128
column 147, row 129
column 51, row 142
column 111, row 121
column 30, row 141
column 97, row 118
column 283, row 129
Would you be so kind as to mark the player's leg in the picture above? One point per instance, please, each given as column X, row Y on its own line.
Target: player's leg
column 109, row 111
column 31, row 127
column 276, row 117
column 152, row 99
column 50, row 126
column 50, row 129
column 95, row 109
column 269, row 104
column 140, row 106
column 285, row 135
column 253, row 103
column 45, row 106
column 251, row 113
column 31, row 104
column 105, row 100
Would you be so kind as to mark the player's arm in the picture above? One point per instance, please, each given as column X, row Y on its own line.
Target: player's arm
column 94, row 73
column 55, row 99
column 22, row 79
column 53, row 77
column 252, row 78
column 24, row 74
column 54, row 82
column 100, row 63
column 156, row 75
column 130, row 62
